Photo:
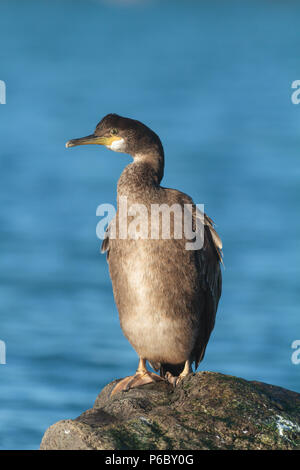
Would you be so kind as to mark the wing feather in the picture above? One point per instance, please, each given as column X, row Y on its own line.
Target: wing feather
column 209, row 258
column 105, row 244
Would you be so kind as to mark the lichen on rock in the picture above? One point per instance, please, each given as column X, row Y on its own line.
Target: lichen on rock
column 206, row 410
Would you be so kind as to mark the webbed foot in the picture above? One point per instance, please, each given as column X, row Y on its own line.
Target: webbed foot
column 141, row 377
column 175, row 380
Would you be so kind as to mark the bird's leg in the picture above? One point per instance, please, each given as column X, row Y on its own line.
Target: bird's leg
column 141, row 377
column 175, row 380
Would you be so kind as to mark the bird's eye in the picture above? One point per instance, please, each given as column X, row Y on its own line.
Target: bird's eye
column 114, row 131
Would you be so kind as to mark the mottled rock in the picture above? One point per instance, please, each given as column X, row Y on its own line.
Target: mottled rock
column 206, row 411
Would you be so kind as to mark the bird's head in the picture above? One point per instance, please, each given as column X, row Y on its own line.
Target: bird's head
column 122, row 135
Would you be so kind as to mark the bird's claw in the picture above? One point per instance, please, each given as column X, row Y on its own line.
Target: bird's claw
column 137, row 380
column 174, row 380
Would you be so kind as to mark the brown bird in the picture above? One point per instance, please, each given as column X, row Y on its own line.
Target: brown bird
column 166, row 294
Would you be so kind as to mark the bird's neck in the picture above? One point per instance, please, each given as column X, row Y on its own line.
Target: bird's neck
column 144, row 173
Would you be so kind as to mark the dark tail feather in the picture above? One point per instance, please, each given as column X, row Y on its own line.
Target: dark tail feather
column 174, row 369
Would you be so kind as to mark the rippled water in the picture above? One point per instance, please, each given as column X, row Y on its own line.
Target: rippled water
column 213, row 79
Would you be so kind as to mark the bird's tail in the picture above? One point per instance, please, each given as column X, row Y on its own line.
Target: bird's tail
column 174, row 369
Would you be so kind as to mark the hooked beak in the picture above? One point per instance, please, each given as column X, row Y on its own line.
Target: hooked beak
column 92, row 139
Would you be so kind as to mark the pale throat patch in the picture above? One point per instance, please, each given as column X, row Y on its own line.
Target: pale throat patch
column 117, row 145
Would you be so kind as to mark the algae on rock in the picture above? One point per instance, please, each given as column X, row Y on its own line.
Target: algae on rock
column 205, row 411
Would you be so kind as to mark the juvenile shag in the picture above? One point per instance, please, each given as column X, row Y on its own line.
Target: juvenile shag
column 167, row 296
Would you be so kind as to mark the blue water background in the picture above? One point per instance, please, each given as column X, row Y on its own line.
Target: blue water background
column 213, row 79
